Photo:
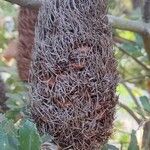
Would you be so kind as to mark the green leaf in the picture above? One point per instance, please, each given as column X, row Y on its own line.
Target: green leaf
column 133, row 145
column 139, row 40
column 126, row 34
column 6, row 9
column 29, row 137
column 46, row 137
column 145, row 103
column 124, row 138
column 14, row 104
column 8, row 135
column 4, row 144
column 122, row 90
column 134, row 50
column 110, row 147
column 12, row 114
column 13, row 141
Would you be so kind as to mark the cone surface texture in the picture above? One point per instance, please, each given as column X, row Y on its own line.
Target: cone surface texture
column 73, row 74
column 26, row 26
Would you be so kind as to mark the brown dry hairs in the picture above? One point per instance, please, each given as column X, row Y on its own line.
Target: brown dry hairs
column 73, row 74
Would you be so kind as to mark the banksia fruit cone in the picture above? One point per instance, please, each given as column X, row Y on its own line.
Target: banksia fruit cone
column 26, row 25
column 73, row 74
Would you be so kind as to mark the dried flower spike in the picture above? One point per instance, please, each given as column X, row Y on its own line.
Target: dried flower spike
column 73, row 74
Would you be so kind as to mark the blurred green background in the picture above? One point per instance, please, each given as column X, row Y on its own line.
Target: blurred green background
column 132, row 122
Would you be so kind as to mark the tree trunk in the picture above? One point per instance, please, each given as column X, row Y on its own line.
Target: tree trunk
column 146, row 136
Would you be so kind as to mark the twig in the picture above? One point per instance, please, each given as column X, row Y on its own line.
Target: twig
column 131, row 94
column 26, row 3
column 146, row 18
column 134, row 99
column 122, row 40
column 134, row 58
column 117, row 22
column 146, row 136
column 146, row 11
column 130, row 112
column 135, row 78
column 130, row 25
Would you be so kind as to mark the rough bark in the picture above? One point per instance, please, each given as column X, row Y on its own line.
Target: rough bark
column 146, row 136
column 136, row 4
column 146, row 18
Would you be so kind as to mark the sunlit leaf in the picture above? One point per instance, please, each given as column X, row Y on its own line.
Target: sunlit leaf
column 124, row 138
column 122, row 90
column 126, row 35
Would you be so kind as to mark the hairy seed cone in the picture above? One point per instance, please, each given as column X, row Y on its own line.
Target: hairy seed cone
column 73, row 74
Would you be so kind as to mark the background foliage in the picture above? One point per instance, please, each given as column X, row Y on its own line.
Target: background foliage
column 132, row 127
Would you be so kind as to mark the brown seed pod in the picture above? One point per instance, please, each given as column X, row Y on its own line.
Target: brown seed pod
column 26, row 25
column 73, row 74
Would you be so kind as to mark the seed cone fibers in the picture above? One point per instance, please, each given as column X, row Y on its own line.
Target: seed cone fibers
column 73, row 74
